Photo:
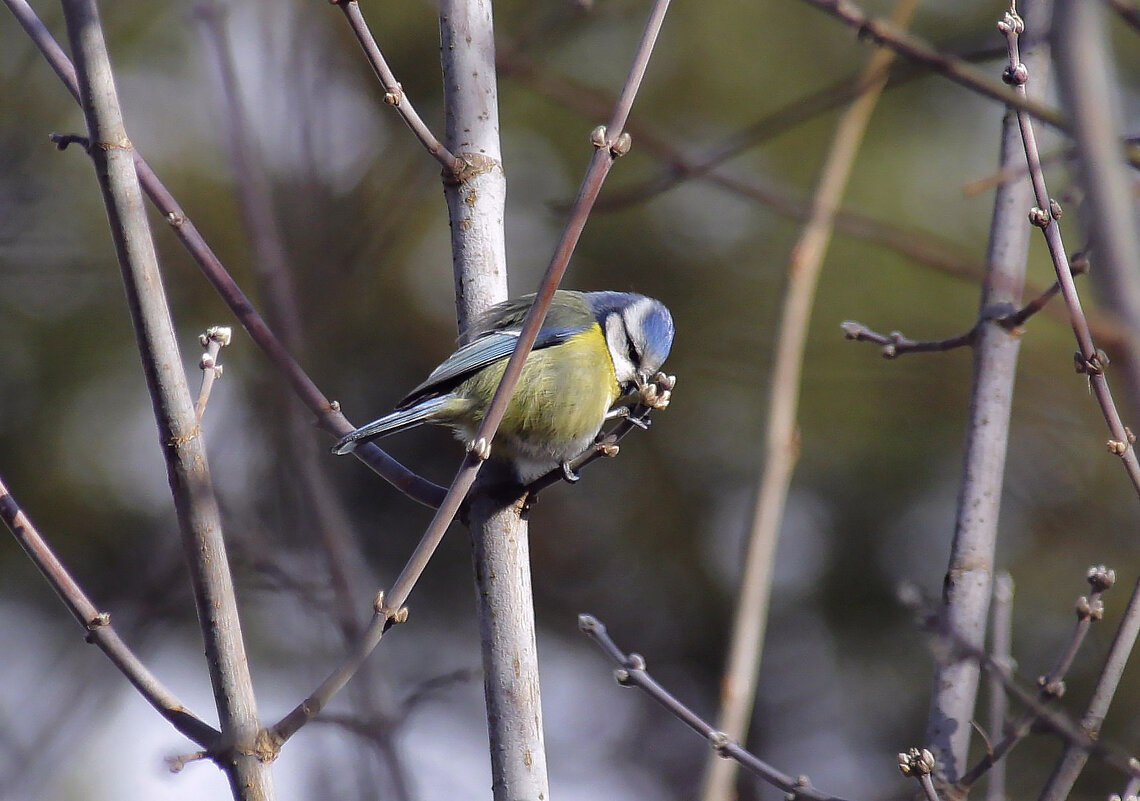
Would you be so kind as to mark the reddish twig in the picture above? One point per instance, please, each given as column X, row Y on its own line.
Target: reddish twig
column 98, row 626
column 895, row 344
column 1051, row 685
column 394, row 94
column 631, row 672
column 328, row 412
column 882, row 32
column 389, row 606
column 1045, row 215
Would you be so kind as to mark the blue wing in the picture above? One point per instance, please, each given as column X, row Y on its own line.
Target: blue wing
column 476, row 355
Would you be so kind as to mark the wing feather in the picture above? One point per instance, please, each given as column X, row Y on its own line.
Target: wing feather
column 474, row 356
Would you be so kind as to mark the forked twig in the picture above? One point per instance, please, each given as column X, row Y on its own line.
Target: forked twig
column 98, row 625
column 609, row 143
column 948, row 644
column 882, row 32
column 631, row 672
column 327, row 412
column 895, row 344
column 1051, row 685
column 394, row 94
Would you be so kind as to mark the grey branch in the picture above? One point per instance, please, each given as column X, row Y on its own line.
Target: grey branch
column 631, row 672
column 98, row 625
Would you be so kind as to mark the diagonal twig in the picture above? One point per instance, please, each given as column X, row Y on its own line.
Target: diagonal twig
column 98, row 625
column 394, row 94
column 609, row 143
column 1051, row 685
column 782, row 437
column 327, row 412
column 631, row 672
column 239, row 749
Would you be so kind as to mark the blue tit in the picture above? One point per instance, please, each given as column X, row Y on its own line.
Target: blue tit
column 594, row 349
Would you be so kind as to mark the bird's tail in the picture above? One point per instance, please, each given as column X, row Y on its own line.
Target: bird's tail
column 399, row 420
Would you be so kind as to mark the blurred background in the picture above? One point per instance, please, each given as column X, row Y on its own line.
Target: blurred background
column 651, row 542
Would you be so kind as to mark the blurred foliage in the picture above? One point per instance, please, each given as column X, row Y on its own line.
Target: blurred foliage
column 651, row 543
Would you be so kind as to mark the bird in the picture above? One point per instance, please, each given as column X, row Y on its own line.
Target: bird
column 594, row 350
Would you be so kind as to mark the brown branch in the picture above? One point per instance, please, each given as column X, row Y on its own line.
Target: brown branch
column 389, row 606
column 394, row 94
column 1052, row 684
column 98, row 626
column 895, row 344
column 328, row 413
column 240, row 752
column 632, row 672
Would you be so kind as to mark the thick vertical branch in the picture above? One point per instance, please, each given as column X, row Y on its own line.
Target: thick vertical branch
column 183, row 449
column 476, row 197
column 477, row 193
column 967, row 586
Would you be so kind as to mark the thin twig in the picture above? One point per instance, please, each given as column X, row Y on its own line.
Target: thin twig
column 98, row 625
column 310, row 491
column 895, row 344
column 1073, row 760
column 882, row 32
column 394, row 94
column 948, row 644
column 1128, row 11
column 183, row 450
column 917, row 246
column 1045, row 215
column 389, row 606
column 1052, row 684
column 327, row 412
column 968, row 582
column 631, row 672
column 215, row 338
column 782, row 435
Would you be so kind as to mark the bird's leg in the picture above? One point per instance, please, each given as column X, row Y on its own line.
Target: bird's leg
column 625, row 413
column 568, row 472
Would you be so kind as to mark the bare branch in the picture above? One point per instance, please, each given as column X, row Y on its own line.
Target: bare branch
column 98, row 626
column 1045, row 216
column 394, row 94
column 1052, row 684
column 948, row 645
column 328, row 412
column 389, row 606
column 1127, row 10
column 631, row 672
column 887, row 34
column 895, row 344
column 968, row 583
column 215, row 338
column 199, row 518
column 782, row 432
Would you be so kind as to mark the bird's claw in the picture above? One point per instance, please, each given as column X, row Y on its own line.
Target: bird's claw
column 569, row 474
